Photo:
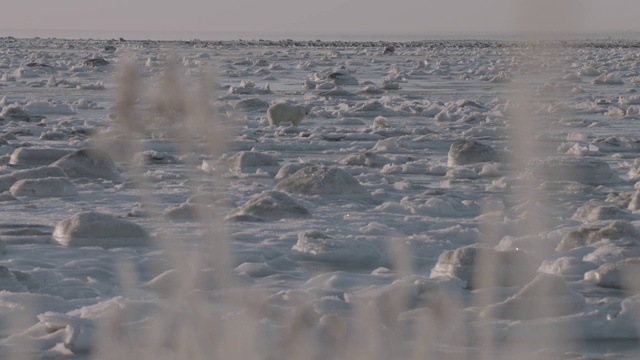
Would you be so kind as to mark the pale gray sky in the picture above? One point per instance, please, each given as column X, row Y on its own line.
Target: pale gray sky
column 298, row 18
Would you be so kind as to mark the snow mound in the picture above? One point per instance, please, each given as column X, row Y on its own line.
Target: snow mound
column 365, row 158
column 387, row 145
column 9, row 281
column 321, row 180
column 272, row 205
column 369, row 108
column 252, row 104
column 189, row 212
column 566, row 266
column 89, row 163
column 337, row 93
column 429, row 206
column 342, row 78
column 97, row 62
column 607, row 79
column 588, row 235
column 16, row 113
column 99, row 229
column 370, row 89
column 249, row 161
column 545, row 296
column 607, row 252
column 54, row 136
column 390, row 85
column 634, row 204
column 470, row 152
column 583, row 170
column 171, row 282
column 150, row 157
column 48, row 187
column 593, row 212
column 509, row 268
column 29, row 156
column 6, row 181
column 249, row 88
column 317, row 246
column 256, row 270
column 589, row 71
column 618, row 275
column 287, row 170
column 31, row 304
column 46, row 107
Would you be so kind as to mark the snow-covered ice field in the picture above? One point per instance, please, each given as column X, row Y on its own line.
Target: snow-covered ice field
column 441, row 200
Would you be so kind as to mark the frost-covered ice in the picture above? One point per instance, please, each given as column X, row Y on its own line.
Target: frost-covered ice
column 271, row 205
column 48, row 187
column 321, row 180
column 98, row 229
column 402, row 210
column 88, row 163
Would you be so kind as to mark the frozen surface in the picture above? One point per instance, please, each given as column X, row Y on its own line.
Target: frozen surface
column 139, row 195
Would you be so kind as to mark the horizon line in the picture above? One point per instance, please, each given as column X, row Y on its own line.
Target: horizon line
column 187, row 35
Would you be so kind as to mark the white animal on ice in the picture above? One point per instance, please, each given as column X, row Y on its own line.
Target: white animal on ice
column 283, row 112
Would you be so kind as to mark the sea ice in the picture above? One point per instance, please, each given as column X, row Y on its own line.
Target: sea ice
column 482, row 267
column 6, row 181
column 36, row 156
column 250, row 105
column 89, row 163
column 607, row 79
column 288, row 169
column 48, row 187
column 342, row 78
column 250, row 161
column 189, row 212
column 49, row 108
column 96, row 62
column 317, row 246
column 321, row 180
column 365, row 158
column 594, row 212
column 583, row 170
column 328, row 283
column 272, row 205
column 590, row 234
column 545, row 296
column 16, row 113
column 567, row 266
column 99, row 229
column 617, row 275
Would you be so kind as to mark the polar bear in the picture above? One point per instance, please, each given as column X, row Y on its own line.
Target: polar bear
column 283, row 112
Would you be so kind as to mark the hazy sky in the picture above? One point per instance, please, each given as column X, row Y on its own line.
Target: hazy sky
column 320, row 17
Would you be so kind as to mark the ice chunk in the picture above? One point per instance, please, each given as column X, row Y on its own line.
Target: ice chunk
column 321, row 180
column 583, row 170
column 36, row 156
column 99, row 229
column 89, row 163
column 619, row 275
column 317, row 246
column 588, row 235
column 469, row 263
column 545, row 296
column 48, row 187
column 272, row 205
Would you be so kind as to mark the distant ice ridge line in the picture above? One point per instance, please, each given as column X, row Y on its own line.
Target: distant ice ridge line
column 596, row 42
